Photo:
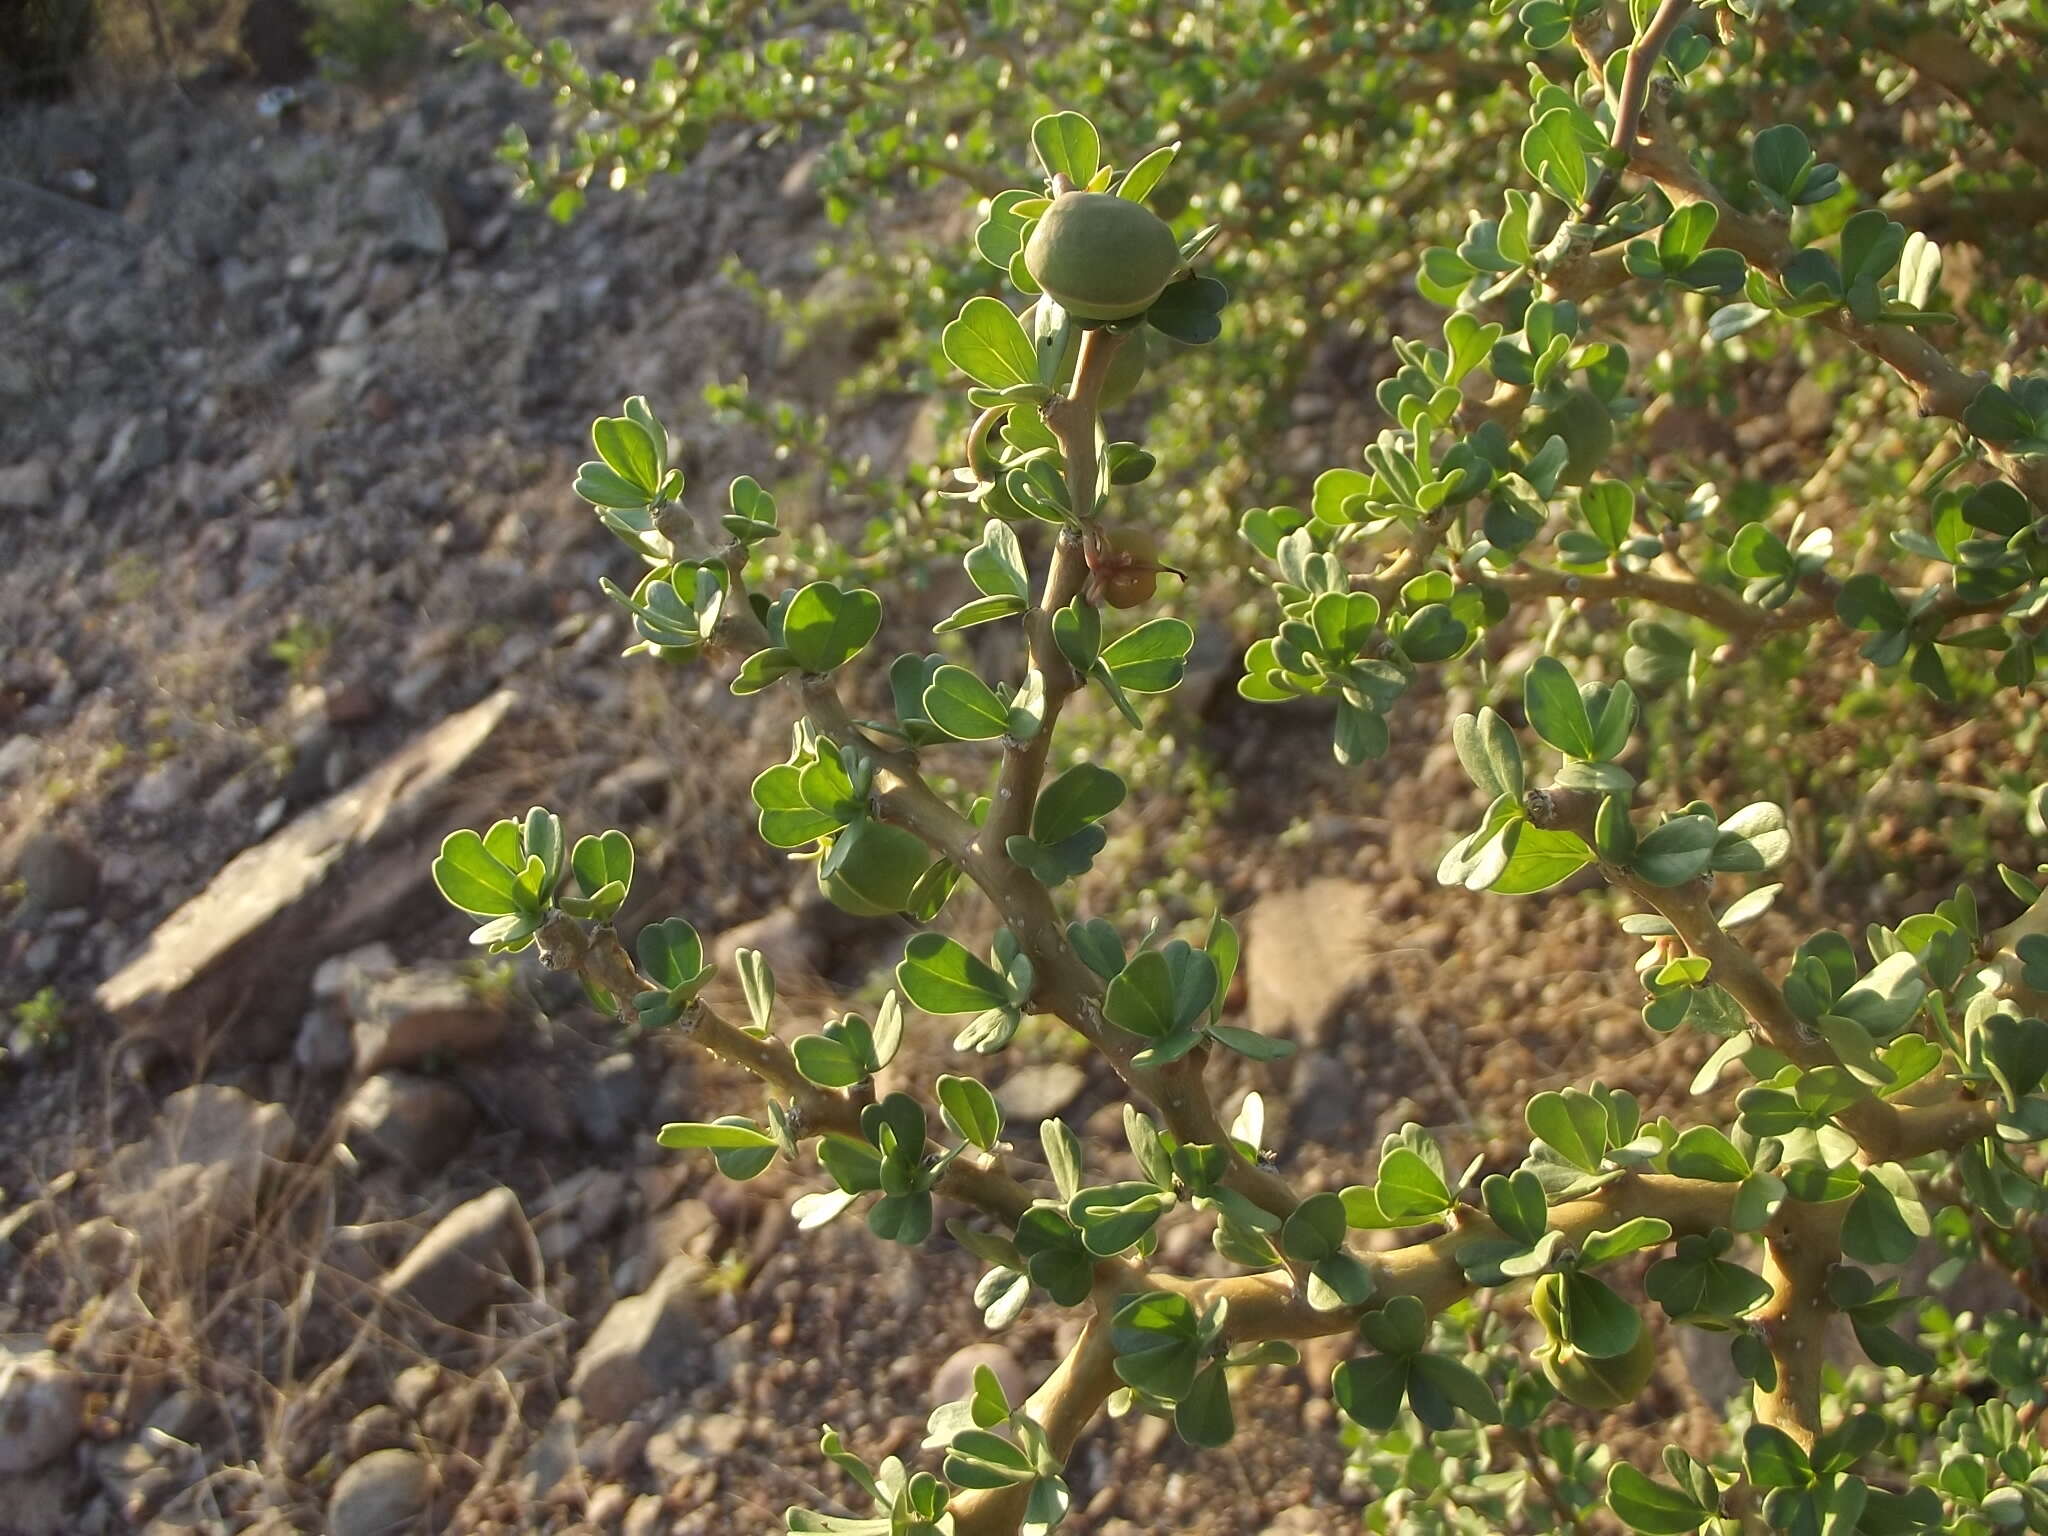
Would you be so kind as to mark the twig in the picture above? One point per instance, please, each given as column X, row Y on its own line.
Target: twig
column 1628, row 112
column 599, row 958
column 1539, row 1467
column 1063, row 1407
column 1887, row 1132
column 1076, row 421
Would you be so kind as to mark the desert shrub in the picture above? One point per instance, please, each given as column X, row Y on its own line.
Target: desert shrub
column 366, row 41
column 1875, row 1101
column 1334, row 146
column 43, row 45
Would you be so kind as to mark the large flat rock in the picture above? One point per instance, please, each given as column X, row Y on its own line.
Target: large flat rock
column 230, row 967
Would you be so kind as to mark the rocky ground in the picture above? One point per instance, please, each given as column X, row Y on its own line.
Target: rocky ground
column 312, row 1222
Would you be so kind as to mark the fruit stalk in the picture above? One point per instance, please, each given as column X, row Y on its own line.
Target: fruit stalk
column 1075, row 420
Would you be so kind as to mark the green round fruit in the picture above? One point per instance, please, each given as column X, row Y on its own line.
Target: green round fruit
column 1101, row 257
column 878, row 866
column 1600, row 1384
column 1582, row 420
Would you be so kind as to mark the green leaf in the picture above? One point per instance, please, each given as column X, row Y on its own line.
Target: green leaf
column 1516, row 1203
column 1781, row 158
column 1996, row 416
column 1609, row 506
column 1651, row 1508
column 1553, row 153
column 472, row 880
column 1685, row 234
column 988, row 344
column 1705, row 1152
column 902, row 1218
column 982, row 610
column 1155, row 1335
column 2016, row 1051
column 1753, row 840
column 1431, row 634
column 827, row 1062
column 1556, row 711
column 970, row 1110
column 1067, row 144
column 996, row 564
column 1084, row 794
column 1141, row 178
column 1750, row 906
column 717, row 1136
column 672, row 955
column 1886, row 1219
column 1438, row 1384
column 1315, row 1230
column 980, row 1459
column 1371, row 1390
column 1681, row 849
column 1538, row 858
column 757, row 983
column 601, row 860
column 1409, row 1189
column 1866, row 603
column 602, row 486
column 1631, row 1236
column 1593, row 1319
column 629, row 450
column 1696, row 1286
column 1773, row 1458
column 1250, row 1043
column 1203, row 1418
column 1489, row 754
column 753, row 510
column 1869, row 247
column 1151, row 658
column 1114, row 1217
column 1886, row 1000
column 1190, row 310
column 825, row 627
column 1162, row 991
column 940, row 976
column 1572, row 1124
column 963, row 706
column 1401, row 1327
column 1757, row 553
column 761, row 669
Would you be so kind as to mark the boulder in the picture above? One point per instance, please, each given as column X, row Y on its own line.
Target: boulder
column 40, row 1403
column 58, row 872
column 410, row 1015
column 385, row 1494
column 192, row 1183
column 419, row 1122
column 229, row 967
column 610, row 1100
column 28, row 487
column 1307, row 954
column 468, row 1260
column 1040, row 1091
column 955, row 1378
column 646, row 1345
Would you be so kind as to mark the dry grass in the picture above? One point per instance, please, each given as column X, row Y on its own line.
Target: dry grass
column 283, row 1343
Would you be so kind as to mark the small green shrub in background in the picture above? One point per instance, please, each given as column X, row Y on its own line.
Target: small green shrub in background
column 1892, row 1088
column 365, row 42
column 44, row 44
